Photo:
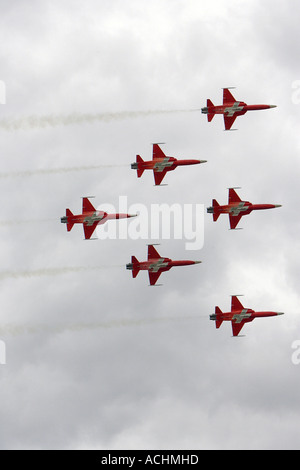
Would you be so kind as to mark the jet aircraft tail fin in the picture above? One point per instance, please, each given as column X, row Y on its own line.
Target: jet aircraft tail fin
column 218, row 312
column 216, row 212
column 210, row 104
column 140, row 171
column 69, row 214
column 135, row 267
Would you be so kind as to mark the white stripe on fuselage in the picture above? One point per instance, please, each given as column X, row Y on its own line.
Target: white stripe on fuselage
column 91, row 219
column 238, row 209
column 239, row 317
column 160, row 166
column 231, row 110
column 155, row 267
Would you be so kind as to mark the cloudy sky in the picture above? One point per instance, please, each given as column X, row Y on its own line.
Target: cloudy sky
column 94, row 358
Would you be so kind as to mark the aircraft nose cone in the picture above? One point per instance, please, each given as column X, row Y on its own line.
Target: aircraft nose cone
column 277, row 205
column 280, row 313
column 272, row 105
column 197, row 262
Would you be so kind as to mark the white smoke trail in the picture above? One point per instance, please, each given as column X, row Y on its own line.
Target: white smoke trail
column 53, row 171
column 51, row 271
column 15, row 329
column 52, row 120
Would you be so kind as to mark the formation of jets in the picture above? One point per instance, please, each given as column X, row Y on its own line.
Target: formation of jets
column 236, row 208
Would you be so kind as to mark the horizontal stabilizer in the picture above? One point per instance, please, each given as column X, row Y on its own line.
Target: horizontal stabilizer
column 210, row 115
column 140, row 171
column 135, row 268
column 70, row 224
column 218, row 312
column 216, row 212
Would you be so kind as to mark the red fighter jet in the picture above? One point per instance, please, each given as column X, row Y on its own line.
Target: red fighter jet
column 160, row 164
column 90, row 218
column 155, row 265
column 236, row 208
column 231, row 108
column 238, row 315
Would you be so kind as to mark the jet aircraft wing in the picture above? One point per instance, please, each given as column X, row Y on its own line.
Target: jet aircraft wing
column 157, row 152
column 152, row 253
column 234, row 220
column 236, row 304
column 159, row 176
column 228, row 121
column 233, row 196
column 153, row 277
column 236, row 327
column 87, row 206
column 89, row 230
column 228, row 97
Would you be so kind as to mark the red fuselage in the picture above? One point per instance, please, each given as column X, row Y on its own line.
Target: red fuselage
column 162, row 264
column 236, row 108
column 90, row 218
column 244, row 208
column 247, row 315
column 167, row 164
